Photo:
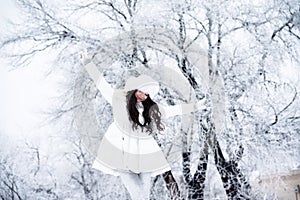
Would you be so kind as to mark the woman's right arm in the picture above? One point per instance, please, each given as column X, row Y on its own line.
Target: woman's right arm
column 102, row 85
column 181, row 109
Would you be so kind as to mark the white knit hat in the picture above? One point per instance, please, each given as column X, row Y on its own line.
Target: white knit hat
column 143, row 83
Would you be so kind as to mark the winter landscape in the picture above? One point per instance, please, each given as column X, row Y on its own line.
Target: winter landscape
column 241, row 57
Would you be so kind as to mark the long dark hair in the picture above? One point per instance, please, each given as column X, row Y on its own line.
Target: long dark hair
column 151, row 113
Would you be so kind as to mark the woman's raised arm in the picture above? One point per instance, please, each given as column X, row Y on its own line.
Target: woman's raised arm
column 102, row 85
column 181, row 109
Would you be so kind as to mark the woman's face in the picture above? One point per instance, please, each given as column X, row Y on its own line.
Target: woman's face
column 141, row 96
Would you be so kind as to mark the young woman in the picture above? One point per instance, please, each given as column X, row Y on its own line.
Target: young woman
column 128, row 148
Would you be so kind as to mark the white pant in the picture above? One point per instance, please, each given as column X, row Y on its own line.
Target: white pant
column 138, row 185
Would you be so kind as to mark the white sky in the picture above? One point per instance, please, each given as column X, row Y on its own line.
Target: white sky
column 24, row 93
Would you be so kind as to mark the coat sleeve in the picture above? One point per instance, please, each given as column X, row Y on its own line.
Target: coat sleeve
column 102, row 85
column 181, row 109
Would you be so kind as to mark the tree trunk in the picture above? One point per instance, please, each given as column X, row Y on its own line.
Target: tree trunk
column 234, row 181
column 195, row 183
column 172, row 185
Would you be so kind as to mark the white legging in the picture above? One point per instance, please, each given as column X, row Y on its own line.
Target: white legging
column 138, row 185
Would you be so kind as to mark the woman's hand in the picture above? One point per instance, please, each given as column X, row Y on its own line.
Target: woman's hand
column 84, row 58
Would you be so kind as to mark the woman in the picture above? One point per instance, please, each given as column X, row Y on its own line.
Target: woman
column 128, row 148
